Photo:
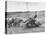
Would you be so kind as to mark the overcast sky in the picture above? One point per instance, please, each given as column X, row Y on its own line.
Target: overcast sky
column 13, row 6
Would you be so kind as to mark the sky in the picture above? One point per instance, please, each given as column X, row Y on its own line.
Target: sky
column 13, row 6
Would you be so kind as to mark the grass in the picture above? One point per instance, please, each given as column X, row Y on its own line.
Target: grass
column 16, row 30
